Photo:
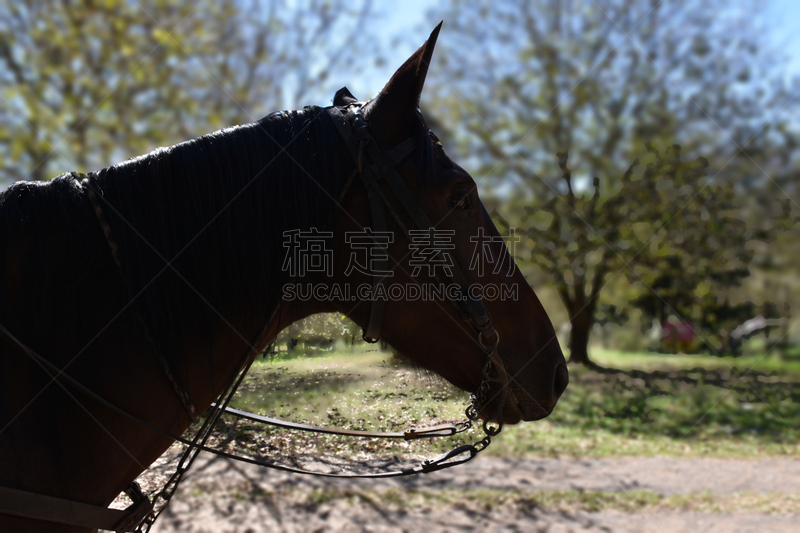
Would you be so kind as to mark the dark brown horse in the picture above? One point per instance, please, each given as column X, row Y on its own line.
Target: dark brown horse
column 155, row 278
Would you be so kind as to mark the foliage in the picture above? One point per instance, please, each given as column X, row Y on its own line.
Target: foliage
column 317, row 332
column 580, row 240
column 86, row 84
column 755, row 355
column 600, row 80
column 734, row 408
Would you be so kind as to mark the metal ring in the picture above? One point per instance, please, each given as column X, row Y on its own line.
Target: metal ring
column 486, row 346
column 369, row 340
column 491, row 430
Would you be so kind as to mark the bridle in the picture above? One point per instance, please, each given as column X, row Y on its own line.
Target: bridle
column 373, row 165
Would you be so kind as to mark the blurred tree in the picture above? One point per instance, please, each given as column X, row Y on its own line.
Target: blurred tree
column 581, row 239
column 84, row 84
column 318, row 332
column 600, row 79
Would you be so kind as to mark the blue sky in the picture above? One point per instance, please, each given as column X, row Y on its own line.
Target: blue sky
column 402, row 30
column 784, row 16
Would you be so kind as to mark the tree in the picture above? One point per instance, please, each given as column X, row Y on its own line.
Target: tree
column 86, row 84
column 582, row 239
column 319, row 331
column 600, row 79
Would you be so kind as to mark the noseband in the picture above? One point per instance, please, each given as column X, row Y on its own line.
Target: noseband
column 373, row 166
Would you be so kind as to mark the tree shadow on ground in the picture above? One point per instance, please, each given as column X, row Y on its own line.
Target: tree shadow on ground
column 688, row 403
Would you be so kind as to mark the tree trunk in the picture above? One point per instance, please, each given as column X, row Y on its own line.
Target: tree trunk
column 579, row 338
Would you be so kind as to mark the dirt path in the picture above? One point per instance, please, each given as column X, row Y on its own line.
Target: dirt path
column 491, row 494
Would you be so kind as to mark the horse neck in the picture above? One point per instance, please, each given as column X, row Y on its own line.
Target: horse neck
column 215, row 211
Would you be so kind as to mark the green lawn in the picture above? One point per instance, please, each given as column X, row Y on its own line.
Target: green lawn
column 648, row 404
column 756, row 360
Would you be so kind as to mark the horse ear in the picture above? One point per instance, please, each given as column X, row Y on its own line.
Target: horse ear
column 402, row 92
column 344, row 97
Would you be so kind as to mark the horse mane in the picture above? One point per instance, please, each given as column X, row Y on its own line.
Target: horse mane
column 32, row 232
column 200, row 226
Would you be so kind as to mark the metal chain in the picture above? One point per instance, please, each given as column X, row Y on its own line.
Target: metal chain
column 492, row 425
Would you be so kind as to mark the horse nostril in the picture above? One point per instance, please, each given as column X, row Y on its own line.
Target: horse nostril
column 561, row 380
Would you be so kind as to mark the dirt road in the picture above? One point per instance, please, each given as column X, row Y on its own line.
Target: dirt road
column 492, row 494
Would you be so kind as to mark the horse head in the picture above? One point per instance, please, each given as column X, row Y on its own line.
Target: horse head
column 434, row 278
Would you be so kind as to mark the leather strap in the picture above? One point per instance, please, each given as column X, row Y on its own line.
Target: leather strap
column 355, row 132
column 372, row 333
column 51, row 509
column 356, row 141
column 166, row 366
column 402, row 150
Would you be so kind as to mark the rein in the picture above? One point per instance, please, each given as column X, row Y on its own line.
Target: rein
column 373, row 165
column 142, row 512
column 180, row 390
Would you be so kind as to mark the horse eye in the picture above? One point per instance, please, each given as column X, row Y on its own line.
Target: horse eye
column 460, row 201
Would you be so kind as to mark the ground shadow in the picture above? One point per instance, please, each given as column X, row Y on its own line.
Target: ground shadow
column 687, row 403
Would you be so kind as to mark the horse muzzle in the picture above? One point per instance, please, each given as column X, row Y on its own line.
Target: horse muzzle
column 539, row 400
column 506, row 400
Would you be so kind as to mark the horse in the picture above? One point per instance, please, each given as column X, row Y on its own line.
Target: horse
column 149, row 283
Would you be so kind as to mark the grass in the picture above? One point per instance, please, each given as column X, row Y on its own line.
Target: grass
column 633, row 404
column 691, row 413
column 360, row 391
column 755, row 360
column 673, row 408
column 648, row 404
